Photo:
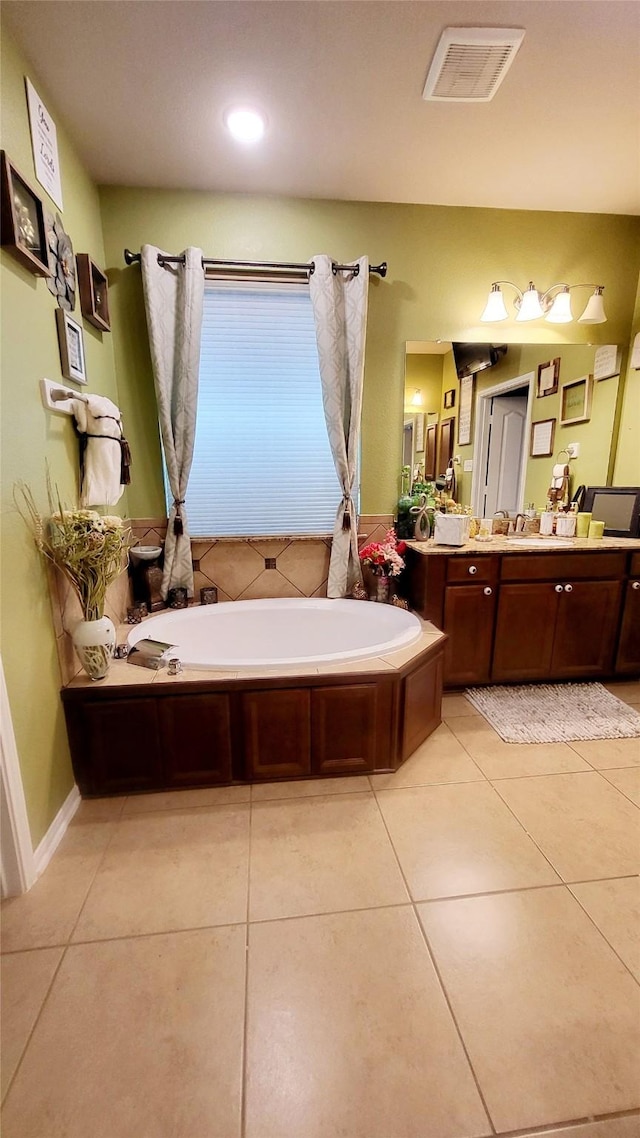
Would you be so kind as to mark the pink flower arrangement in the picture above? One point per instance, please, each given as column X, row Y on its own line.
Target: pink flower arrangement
column 383, row 557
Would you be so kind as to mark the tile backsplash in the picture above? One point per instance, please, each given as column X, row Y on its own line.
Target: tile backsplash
column 240, row 568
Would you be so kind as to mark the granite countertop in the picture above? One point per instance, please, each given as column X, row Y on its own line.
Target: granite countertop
column 500, row 544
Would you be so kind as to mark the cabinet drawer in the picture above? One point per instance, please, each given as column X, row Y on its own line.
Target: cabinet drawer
column 634, row 565
column 471, row 570
column 562, row 566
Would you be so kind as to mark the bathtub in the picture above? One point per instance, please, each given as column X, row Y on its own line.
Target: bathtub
column 280, row 633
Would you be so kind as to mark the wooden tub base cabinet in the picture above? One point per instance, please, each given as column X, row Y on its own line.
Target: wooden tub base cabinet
column 213, row 732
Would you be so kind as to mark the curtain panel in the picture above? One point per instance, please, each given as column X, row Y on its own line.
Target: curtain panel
column 340, row 311
column 173, row 297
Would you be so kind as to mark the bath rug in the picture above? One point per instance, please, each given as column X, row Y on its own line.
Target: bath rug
column 555, row 713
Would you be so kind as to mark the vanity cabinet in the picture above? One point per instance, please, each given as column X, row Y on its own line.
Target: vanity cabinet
column 628, row 654
column 516, row 617
column 556, row 630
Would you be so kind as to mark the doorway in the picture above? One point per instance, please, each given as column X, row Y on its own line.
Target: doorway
column 502, row 429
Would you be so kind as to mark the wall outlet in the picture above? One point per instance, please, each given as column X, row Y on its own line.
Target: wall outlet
column 573, row 449
column 468, row 465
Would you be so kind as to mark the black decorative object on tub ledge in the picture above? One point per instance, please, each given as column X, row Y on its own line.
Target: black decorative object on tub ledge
column 209, row 595
column 177, row 598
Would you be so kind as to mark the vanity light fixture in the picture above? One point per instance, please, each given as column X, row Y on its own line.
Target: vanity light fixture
column 245, row 125
column 553, row 305
column 416, row 399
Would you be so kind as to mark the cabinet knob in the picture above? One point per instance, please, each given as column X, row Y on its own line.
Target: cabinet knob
column 635, row 584
column 568, row 588
column 487, row 592
column 559, row 588
column 473, row 569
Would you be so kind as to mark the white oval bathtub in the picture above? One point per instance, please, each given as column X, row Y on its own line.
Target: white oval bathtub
column 242, row 634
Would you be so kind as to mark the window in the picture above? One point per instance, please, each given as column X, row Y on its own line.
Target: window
column 262, row 462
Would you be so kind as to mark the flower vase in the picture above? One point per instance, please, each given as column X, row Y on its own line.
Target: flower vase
column 94, row 642
column 382, row 589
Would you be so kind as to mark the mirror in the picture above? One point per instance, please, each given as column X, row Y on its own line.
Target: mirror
column 507, row 423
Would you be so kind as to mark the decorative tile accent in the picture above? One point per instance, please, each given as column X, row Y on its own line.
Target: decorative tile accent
column 195, row 565
column 270, row 583
column 305, row 565
column 232, row 567
column 269, row 562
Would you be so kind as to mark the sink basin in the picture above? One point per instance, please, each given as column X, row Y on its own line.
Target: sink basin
column 540, row 542
column 140, row 553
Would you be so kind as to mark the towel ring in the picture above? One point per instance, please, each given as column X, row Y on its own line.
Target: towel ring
column 563, row 451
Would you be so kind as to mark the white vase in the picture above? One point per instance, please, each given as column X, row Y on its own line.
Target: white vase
column 94, row 642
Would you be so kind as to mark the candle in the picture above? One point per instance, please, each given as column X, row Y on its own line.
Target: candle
column 596, row 529
column 582, row 525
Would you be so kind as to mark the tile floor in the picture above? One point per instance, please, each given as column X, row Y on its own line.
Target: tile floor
column 448, row 952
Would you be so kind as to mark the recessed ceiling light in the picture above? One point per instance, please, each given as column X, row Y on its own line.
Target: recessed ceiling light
column 245, row 125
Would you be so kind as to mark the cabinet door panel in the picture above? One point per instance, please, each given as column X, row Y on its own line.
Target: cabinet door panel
column 524, row 632
column 421, row 704
column 121, row 747
column 344, row 728
column 276, row 729
column 628, row 658
column 586, row 629
column 196, row 738
column 468, row 622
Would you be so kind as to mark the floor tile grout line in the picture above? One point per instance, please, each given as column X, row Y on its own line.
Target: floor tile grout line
column 35, row 1023
column 613, row 785
column 602, row 933
column 310, row 916
column 93, row 878
column 568, row 1125
column 243, row 1066
column 434, row 965
column 529, row 835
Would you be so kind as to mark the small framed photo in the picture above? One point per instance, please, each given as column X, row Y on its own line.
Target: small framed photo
column 542, row 434
column 450, row 398
column 548, row 376
column 575, row 401
column 23, row 227
column 71, row 347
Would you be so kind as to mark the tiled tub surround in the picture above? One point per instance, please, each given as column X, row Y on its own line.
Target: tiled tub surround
column 236, row 566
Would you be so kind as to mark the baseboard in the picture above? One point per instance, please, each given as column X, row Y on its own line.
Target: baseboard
column 45, row 849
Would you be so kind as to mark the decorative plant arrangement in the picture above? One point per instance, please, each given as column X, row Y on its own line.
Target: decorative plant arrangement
column 88, row 549
column 384, row 560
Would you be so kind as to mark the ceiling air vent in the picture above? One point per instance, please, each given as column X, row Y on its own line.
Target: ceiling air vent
column 470, row 64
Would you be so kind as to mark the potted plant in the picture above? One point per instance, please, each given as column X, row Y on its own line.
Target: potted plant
column 88, row 549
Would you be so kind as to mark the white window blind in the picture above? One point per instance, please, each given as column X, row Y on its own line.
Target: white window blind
column 262, row 462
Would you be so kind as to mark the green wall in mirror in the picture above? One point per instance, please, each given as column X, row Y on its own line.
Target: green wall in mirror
column 426, row 363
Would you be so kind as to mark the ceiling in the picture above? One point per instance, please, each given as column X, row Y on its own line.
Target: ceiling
column 142, row 86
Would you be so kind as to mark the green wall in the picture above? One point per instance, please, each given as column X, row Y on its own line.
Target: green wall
column 626, row 471
column 441, row 260
column 32, row 437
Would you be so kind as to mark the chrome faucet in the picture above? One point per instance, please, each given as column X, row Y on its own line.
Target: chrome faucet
column 501, row 514
column 519, row 528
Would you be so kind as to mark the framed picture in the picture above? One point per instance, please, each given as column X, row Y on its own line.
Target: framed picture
column 465, row 411
column 548, row 376
column 71, row 347
column 23, row 228
column 575, row 401
column 450, row 398
column 542, row 434
column 419, row 432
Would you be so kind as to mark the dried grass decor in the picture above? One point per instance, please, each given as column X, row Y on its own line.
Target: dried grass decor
column 84, row 545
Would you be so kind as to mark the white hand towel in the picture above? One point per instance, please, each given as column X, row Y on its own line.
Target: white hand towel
column 560, row 472
column 98, row 419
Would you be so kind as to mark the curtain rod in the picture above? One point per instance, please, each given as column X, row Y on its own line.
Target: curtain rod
column 135, row 258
